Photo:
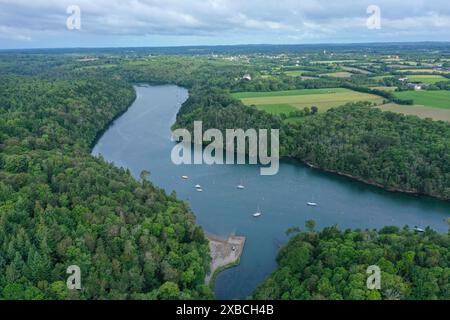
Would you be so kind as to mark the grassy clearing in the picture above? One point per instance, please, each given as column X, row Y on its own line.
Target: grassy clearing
column 420, row 111
column 288, row 101
column 434, row 99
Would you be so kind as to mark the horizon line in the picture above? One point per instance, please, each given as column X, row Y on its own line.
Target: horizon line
column 233, row 45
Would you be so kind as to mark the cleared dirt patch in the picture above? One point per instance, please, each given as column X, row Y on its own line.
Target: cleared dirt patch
column 224, row 253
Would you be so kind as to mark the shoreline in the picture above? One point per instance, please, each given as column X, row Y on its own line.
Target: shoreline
column 368, row 182
column 225, row 254
column 108, row 125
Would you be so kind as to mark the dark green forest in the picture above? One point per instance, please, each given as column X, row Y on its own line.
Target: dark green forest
column 332, row 264
column 59, row 206
column 387, row 149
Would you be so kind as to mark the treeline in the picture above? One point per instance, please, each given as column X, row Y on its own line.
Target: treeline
column 382, row 93
column 60, row 207
column 332, row 264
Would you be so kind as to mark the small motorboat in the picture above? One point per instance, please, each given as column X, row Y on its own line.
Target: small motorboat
column 312, row 204
column 199, row 190
column 198, row 186
column 185, row 177
column 240, row 187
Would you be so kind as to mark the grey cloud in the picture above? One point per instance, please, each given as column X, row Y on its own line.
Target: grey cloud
column 269, row 19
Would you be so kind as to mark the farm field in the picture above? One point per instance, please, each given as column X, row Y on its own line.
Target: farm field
column 340, row 74
column 398, row 66
column 356, row 70
column 287, row 101
column 422, row 70
column 245, row 95
column 427, row 79
column 420, row 111
column 389, row 89
column 434, row 99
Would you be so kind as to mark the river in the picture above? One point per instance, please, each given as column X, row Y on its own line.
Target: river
column 141, row 139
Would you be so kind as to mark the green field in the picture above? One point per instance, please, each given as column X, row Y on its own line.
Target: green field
column 286, row 101
column 435, row 99
column 427, row 78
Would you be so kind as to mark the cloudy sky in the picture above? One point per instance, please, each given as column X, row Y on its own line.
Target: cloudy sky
column 112, row 23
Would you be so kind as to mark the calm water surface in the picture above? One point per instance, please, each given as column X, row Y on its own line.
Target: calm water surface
column 141, row 139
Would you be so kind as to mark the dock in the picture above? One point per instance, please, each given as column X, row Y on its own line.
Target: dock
column 224, row 253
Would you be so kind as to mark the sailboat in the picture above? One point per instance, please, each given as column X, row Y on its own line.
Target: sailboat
column 312, row 203
column 257, row 214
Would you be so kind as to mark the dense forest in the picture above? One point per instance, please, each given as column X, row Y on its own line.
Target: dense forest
column 59, row 206
column 332, row 264
column 387, row 149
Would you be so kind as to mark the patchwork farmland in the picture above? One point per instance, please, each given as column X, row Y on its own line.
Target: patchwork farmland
column 286, row 101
